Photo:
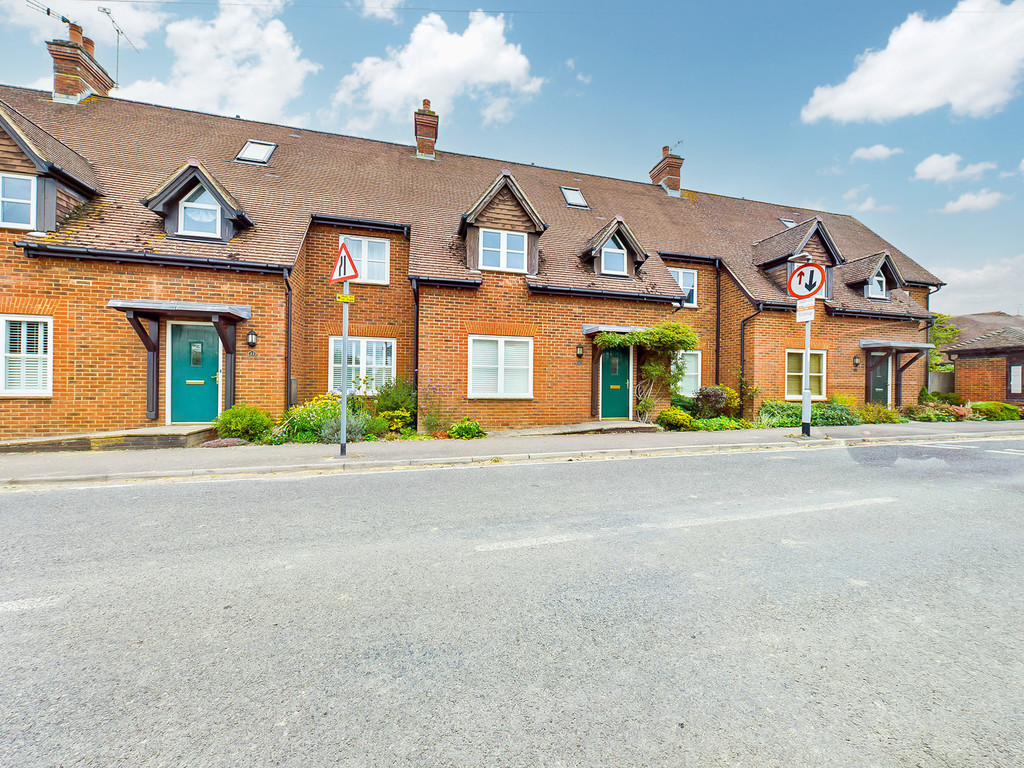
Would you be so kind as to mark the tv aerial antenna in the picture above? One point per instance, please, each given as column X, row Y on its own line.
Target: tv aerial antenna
column 37, row 6
column 120, row 34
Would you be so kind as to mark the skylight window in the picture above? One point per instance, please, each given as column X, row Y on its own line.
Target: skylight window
column 573, row 197
column 256, row 151
column 788, row 222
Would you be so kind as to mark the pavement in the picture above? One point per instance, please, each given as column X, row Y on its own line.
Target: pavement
column 516, row 446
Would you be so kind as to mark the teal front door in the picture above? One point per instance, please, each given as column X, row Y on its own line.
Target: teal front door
column 615, row 384
column 880, row 379
column 195, row 363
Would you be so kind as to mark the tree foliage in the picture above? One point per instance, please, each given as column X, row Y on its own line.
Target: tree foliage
column 942, row 333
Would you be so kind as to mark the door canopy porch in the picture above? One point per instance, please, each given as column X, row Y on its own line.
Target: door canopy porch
column 144, row 317
column 881, row 351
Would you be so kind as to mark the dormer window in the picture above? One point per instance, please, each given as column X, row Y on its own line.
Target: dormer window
column 17, row 201
column 502, row 250
column 877, row 287
column 256, row 152
column 199, row 214
column 613, row 257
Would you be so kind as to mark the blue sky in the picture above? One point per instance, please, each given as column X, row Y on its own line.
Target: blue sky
column 909, row 116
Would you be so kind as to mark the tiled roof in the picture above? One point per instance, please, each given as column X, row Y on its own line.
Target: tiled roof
column 49, row 149
column 978, row 324
column 1008, row 339
column 783, row 244
column 861, row 270
column 320, row 173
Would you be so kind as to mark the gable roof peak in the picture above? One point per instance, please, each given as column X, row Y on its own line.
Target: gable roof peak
column 505, row 180
column 182, row 180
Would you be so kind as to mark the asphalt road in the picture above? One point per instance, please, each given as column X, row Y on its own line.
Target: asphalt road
column 844, row 607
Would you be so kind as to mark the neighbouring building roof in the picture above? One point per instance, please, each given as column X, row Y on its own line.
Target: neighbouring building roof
column 997, row 340
column 974, row 325
column 135, row 148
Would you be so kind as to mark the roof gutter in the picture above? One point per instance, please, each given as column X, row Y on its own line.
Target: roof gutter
column 595, row 293
column 873, row 315
column 33, row 250
column 444, row 282
column 342, row 221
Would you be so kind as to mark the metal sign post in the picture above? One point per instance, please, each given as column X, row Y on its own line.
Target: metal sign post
column 806, row 280
column 344, row 270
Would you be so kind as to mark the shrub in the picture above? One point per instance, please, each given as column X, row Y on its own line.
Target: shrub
column 245, row 421
column 993, row 411
column 355, row 427
column 924, row 396
column 376, row 427
column 716, row 401
column 302, row 423
column 643, row 407
column 876, row 413
column 718, row 424
column 844, row 400
column 674, row 419
column 434, row 415
column 775, row 413
column 929, row 413
column 397, row 420
column 949, row 398
column 684, row 402
column 465, row 429
column 833, row 414
column 396, row 395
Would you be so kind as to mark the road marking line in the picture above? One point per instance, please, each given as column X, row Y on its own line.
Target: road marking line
column 689, row 523
column 28, row 604
column 1010, row 451
column 537, row 542
column 947, row 447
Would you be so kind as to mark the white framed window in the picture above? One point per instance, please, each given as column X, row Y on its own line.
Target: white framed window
column 372, row 256
column 876, row 286
column 1016, row 379
column 574, row 197
column 501, row 366
column 371, row 362
column 795, row 371
column 199, row 214
column 27, row 356
column 17, row 201
column 687, row 281
column 613, row 257
column 690, row 383
column 256, row 152
column 502, row 250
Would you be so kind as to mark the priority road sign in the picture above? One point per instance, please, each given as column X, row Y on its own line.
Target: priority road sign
column 344, row 267
column 806, row 280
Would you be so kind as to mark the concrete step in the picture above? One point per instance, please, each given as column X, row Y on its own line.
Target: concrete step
column 173, row 436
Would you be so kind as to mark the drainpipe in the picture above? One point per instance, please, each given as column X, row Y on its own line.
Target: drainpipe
column 416, row 334
column 287, row 340
column 743, row 345
column 718, row 322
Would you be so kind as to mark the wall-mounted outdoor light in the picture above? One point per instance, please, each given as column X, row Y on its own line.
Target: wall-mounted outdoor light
column 856, row 362
column 251, row 338
column 579, row 351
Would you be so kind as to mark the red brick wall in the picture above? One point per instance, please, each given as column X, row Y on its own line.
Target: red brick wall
column 503, row 306
column 919, row 294
column 772, row 332
column 384, row 311
column 980, row 378
column 99, row 363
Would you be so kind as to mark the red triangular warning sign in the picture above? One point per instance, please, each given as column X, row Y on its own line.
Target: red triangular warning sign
column 344, row 267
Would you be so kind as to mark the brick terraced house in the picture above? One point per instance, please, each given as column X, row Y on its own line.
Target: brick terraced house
column 159, row 265
column 988, row 357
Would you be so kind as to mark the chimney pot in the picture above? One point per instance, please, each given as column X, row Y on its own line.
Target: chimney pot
column 90, row 46
column 664, row 151
column 425, row 128
column 75, row 33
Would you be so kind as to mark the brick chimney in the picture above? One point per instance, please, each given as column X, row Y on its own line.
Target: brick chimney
column 425, row 123
column 666, row 172
column 76, row 73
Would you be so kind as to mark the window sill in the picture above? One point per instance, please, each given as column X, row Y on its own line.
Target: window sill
column 19, row 227
column 499, row 397
column 214, row 239
column 26, row 396
column 370, row 282
column 798, row 398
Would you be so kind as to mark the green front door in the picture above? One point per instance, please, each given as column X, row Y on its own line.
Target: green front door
column 880, row 380
column 195, row 362
column 615, row 384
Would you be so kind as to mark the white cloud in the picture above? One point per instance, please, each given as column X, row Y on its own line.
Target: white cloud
column 137, row 21
column 1021, row 166
column 570, row 63
column 441, row 66
column 585, row 79
column 854, row 193
column 870, row 205
column 971, row 60
column 998, row 284
column 876, row 152
column 381, row 9
column 940, row 168
column 974, row 201
column 243, row 61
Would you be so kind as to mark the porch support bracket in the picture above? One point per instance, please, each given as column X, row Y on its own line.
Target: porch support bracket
column 226, row 331
column 150, row 336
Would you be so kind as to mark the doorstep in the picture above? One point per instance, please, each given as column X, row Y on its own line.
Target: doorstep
column 172, row 436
